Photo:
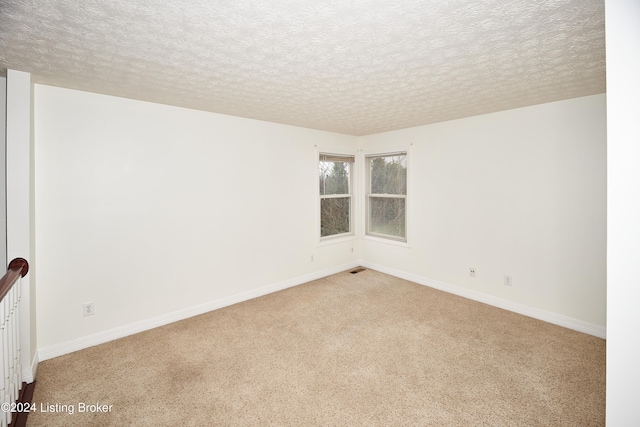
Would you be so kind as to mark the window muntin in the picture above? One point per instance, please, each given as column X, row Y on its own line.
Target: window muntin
column 387, row 196
column 335, row 177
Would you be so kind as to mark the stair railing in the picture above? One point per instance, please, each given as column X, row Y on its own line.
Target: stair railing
column 10, row 365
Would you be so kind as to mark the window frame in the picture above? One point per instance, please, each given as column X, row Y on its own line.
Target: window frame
column 351, row 160
column 368, row 195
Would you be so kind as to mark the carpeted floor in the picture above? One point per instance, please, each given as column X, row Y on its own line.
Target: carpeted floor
column 362, row 349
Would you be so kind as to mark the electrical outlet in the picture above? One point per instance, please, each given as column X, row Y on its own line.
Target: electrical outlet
column 507, row 280
column 472, row 271
column 311, row 258
column 88, row 309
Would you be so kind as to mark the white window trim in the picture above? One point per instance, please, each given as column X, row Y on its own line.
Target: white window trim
column 364, row 188
column 385, row 240
column 352, row 234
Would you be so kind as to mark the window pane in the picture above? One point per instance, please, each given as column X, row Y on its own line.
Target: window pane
column 334, row 178
column 387, row 216
column 388, row 174
column 334, row 216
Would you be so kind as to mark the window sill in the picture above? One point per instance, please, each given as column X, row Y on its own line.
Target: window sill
column 387, row 241
column 337, row 239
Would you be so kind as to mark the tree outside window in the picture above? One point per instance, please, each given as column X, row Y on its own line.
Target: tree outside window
column 335, row 194
column 387, row 196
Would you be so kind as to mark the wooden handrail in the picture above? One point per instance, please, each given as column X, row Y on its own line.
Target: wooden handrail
column 19, row 267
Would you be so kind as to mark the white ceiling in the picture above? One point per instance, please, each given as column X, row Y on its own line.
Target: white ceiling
column 351, row 66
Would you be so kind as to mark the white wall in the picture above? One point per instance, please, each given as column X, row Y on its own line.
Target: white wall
column 146, row 209
column 519, row 192
column 20, row 203
column 3, row 163
column 623, row 243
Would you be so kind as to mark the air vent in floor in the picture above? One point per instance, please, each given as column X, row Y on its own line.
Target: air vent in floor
column 357, row 270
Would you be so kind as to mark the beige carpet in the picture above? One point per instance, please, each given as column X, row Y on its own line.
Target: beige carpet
column 362, row 349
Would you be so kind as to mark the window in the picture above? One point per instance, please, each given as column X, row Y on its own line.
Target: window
column 335, row 194
column 387, row 196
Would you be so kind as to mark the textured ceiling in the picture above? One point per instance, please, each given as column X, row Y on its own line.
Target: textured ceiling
column 351, row 66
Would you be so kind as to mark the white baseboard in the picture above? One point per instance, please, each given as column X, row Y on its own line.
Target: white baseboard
column 536, row 313
column 144, row 325
column 29, row 372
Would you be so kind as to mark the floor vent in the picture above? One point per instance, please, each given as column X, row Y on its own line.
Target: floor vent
column 357, row 270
